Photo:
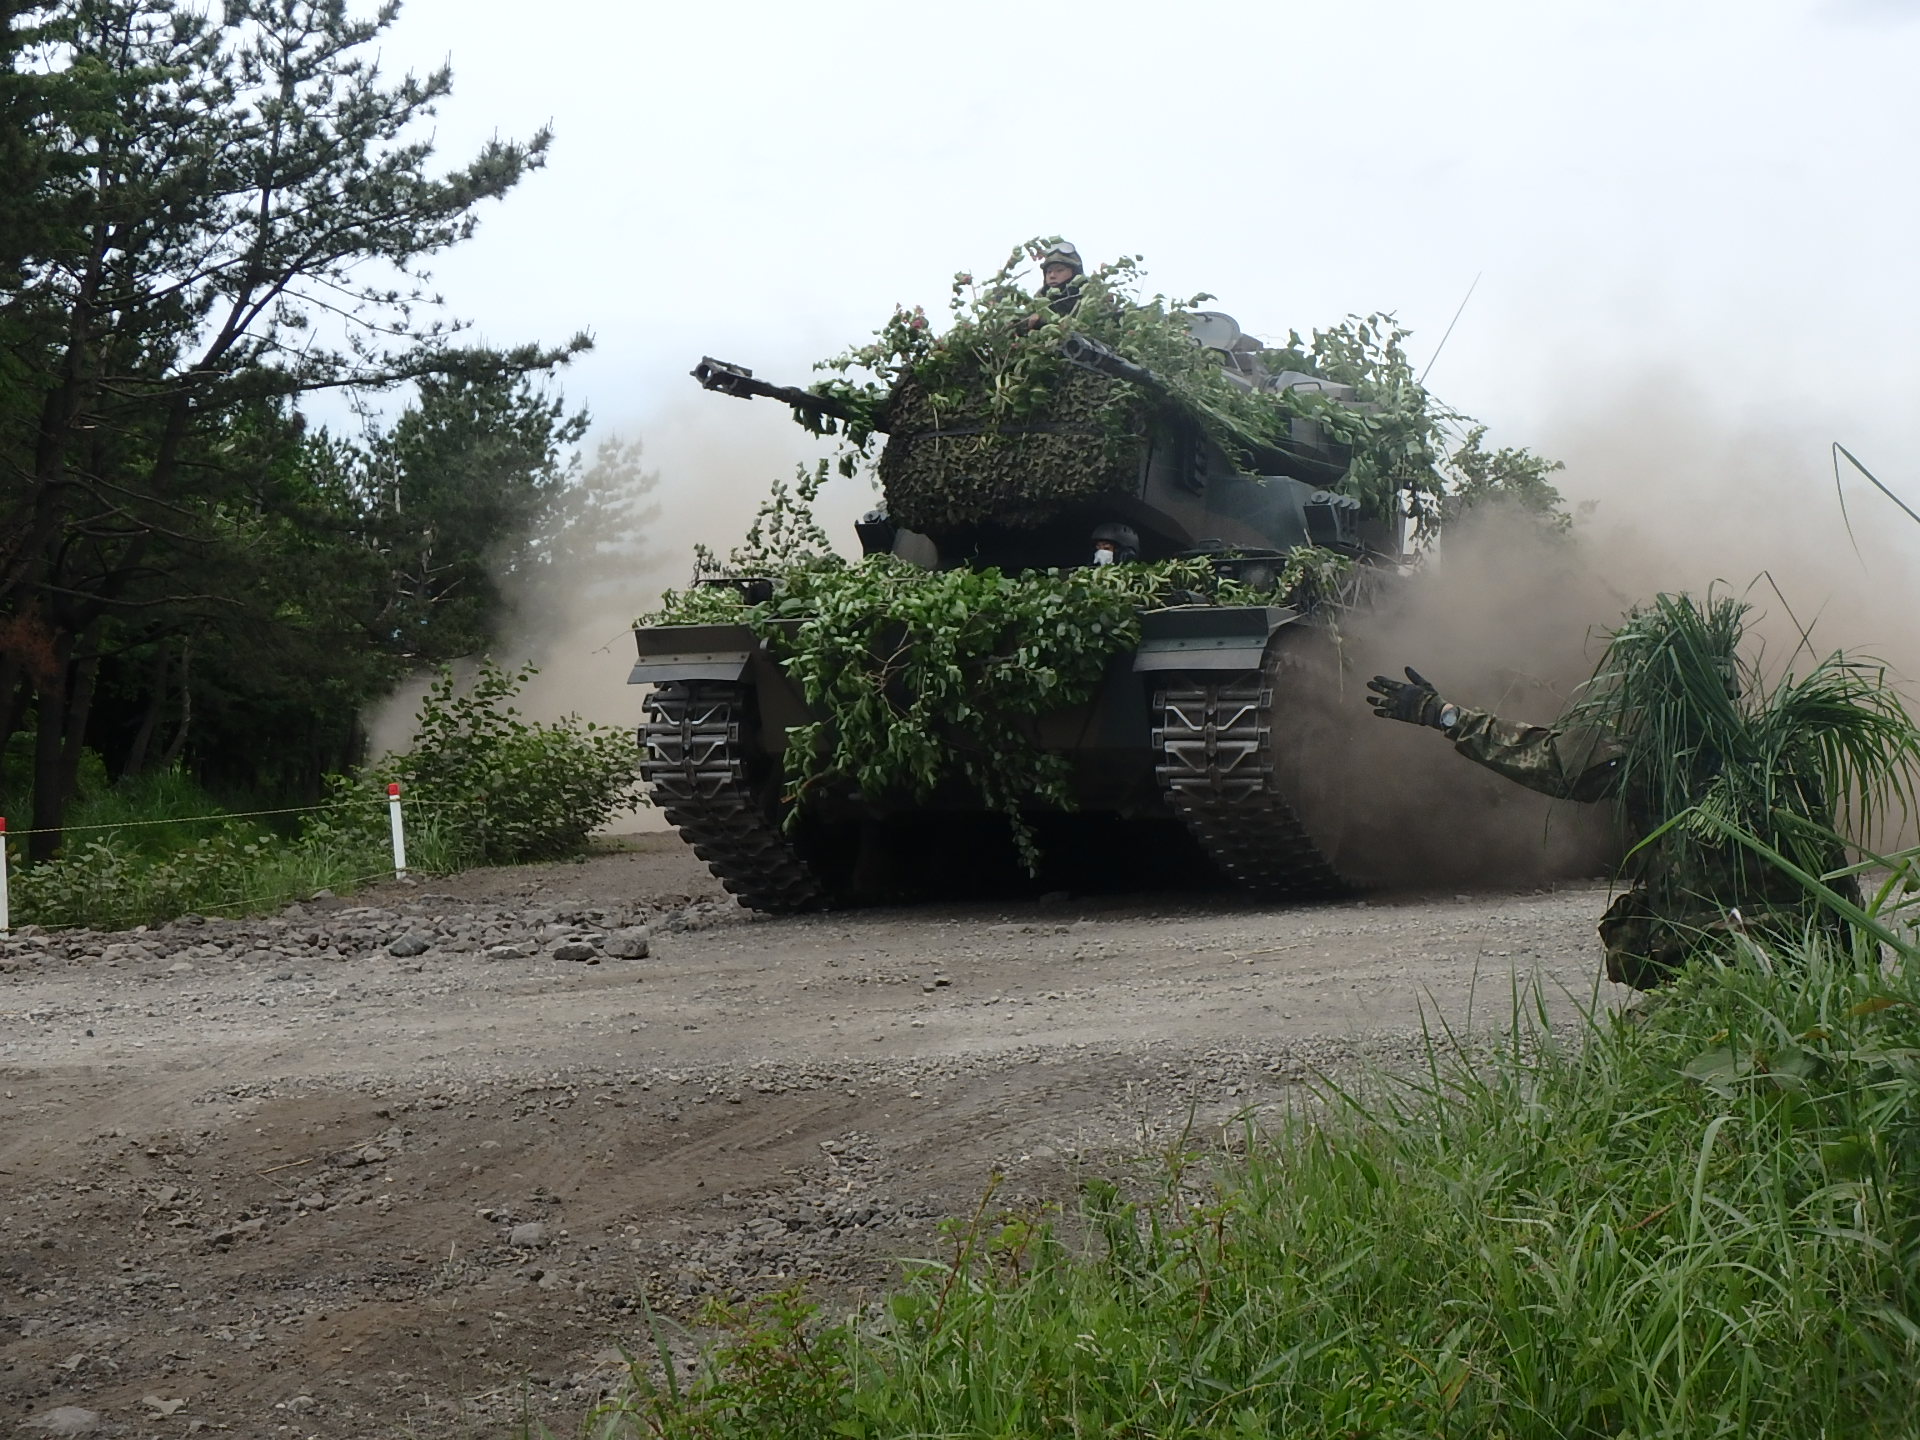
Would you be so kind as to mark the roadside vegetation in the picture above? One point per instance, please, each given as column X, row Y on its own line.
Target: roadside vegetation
column 1698, row 1219
column 216, row 218
column 480, row 785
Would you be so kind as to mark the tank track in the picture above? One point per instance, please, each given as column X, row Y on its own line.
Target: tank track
column 1214, row 748
column 695, row 768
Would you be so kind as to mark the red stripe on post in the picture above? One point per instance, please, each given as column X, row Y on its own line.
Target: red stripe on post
column 394, row 789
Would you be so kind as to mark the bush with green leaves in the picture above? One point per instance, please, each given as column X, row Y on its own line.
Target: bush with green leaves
column 481, row 785
column 501, row 788
column 920, row 678
column 147, row 848
column 108, row 885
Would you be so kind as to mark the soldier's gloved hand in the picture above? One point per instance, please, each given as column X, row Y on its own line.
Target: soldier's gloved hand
column 1413, row 700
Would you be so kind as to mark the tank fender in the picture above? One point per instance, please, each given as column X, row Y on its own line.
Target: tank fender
column 1208, row 637
column 692, row 652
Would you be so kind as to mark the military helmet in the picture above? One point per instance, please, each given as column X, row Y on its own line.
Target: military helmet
column 1061, row 252
column 1124, row 539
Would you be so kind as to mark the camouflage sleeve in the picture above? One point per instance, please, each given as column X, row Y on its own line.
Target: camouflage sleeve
column 1567, row 766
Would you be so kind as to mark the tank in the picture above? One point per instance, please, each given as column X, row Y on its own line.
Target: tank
column 1195, row 755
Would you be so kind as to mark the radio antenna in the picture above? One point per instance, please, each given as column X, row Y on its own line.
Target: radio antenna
column 1450, row 324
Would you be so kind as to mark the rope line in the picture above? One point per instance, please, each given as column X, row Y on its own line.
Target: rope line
column 410, row 804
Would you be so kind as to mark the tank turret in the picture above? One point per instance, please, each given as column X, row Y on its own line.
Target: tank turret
column 1115, row 443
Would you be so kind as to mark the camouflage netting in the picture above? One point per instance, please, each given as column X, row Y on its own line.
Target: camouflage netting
column 1048, row 436
column 945, row 468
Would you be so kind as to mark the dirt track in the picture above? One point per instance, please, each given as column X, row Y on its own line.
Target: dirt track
column 305, row 1186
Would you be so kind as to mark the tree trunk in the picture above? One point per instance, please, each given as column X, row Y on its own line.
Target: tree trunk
column 49, row 802
column 156, row 700
column 86, row 675
column 179, row 741
column 14, row 696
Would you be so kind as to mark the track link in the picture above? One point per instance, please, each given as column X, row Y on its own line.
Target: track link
column 694, row 765
column 1213, row 743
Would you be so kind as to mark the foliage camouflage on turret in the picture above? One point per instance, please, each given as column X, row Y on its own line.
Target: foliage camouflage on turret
column 1043, row 432
column 945, row 468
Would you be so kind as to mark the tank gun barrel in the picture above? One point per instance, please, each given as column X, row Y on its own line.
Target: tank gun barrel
column 737, row 380
column 1090, row 354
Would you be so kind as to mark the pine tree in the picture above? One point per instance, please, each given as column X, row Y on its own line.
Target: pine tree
column 223, row 214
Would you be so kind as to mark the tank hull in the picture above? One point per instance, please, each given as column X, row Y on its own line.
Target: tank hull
column 1183, row 761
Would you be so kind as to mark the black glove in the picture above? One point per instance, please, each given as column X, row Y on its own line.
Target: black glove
column 1413, row 700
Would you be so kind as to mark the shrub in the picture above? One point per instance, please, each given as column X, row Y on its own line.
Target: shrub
column 502, row 789
column 108, row 885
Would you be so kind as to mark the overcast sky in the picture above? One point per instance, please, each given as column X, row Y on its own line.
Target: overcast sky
column 1718, row 195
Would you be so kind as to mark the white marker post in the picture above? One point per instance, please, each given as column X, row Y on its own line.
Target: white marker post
column 5, row 920
column 399, row 835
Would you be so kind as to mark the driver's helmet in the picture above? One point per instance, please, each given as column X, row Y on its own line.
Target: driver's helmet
column 1115, row 544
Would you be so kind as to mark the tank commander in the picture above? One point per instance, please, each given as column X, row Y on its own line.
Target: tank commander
column 1061, row 277
column 1680, row 900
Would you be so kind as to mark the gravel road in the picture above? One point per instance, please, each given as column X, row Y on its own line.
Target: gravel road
column 399, row 1166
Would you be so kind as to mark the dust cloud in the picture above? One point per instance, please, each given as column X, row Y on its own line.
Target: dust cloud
column 1670, row 495
column 1503, row 619
column 695, row 477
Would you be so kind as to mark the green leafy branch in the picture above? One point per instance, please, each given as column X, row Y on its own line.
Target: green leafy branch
column 999, row 362
column 925, row 679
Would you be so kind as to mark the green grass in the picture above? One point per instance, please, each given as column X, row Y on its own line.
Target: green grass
column 481, row 786
column 147, row 850
column 1703, row 1221
column 158, row 813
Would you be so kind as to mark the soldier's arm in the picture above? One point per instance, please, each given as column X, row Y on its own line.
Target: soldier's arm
column 1566, row 765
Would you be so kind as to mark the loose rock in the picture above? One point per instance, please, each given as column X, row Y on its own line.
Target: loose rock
column 632, row 943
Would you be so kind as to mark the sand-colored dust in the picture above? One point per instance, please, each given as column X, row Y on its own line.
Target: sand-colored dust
column 1669, row 495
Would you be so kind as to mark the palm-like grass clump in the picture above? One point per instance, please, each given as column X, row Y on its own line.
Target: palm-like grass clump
column 1738, row 782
